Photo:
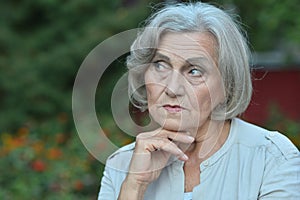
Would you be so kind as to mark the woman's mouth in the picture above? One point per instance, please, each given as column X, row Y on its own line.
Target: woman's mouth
column 173, row 108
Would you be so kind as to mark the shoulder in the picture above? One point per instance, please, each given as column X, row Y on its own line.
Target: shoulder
column 273, row 142
column 120, row 159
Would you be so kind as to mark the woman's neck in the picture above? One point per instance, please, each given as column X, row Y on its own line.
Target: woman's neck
column 209, row 139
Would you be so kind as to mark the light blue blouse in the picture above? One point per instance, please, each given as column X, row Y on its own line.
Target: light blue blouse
column 188, row 196
column 253, row 163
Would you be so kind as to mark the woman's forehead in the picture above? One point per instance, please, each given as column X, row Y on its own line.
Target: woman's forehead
column 187, row 45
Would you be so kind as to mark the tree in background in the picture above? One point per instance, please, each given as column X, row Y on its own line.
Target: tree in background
column 43, row 43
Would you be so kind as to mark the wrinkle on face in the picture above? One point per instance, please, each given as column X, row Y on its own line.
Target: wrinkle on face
column 180, row 51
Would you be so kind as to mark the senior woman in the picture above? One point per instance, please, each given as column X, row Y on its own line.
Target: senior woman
column 192, row 61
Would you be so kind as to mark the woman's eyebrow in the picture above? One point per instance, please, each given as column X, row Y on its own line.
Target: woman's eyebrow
column 203, row 62
column 161, row 56
column 190, row 61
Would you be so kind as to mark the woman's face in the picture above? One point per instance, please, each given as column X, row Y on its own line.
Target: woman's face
column 183, row 82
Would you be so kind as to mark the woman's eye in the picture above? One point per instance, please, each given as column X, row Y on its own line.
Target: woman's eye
column 195, row 72
column 160, row 66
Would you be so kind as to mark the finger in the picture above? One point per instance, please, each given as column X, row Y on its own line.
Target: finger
column 170, row 147
column 180, row 137
column 174, row 136
column 171, row 135
column 154, row 145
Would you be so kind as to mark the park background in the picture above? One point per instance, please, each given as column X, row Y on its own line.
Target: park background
column 42, row 45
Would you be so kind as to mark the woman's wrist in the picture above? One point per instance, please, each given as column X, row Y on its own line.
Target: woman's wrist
column 132, row 189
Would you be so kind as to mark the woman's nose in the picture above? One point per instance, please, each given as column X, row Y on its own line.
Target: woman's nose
column 175, row 85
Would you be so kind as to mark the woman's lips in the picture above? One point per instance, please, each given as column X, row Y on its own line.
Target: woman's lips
column 173, row 108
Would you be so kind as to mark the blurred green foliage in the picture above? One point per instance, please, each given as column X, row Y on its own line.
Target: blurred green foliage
column 279, row 122
column 46, row 167
column 42, row 44
column 270, row 24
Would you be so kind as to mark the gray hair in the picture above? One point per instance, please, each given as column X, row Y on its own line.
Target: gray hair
column 232, row 50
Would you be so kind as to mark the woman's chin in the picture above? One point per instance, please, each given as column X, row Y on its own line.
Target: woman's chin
column 180, row 123
column 175, row 125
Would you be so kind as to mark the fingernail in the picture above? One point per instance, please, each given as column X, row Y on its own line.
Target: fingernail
column 184, row 157
column 191, row 138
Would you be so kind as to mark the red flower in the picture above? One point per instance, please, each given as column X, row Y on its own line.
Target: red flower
column 38, row 166
column 54, row 153
column 60, row 138
column 78, row 185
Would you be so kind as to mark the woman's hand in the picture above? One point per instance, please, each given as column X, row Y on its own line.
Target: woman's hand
column 152, row 152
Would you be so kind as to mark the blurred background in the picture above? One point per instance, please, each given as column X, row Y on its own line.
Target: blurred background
column 42, row 45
